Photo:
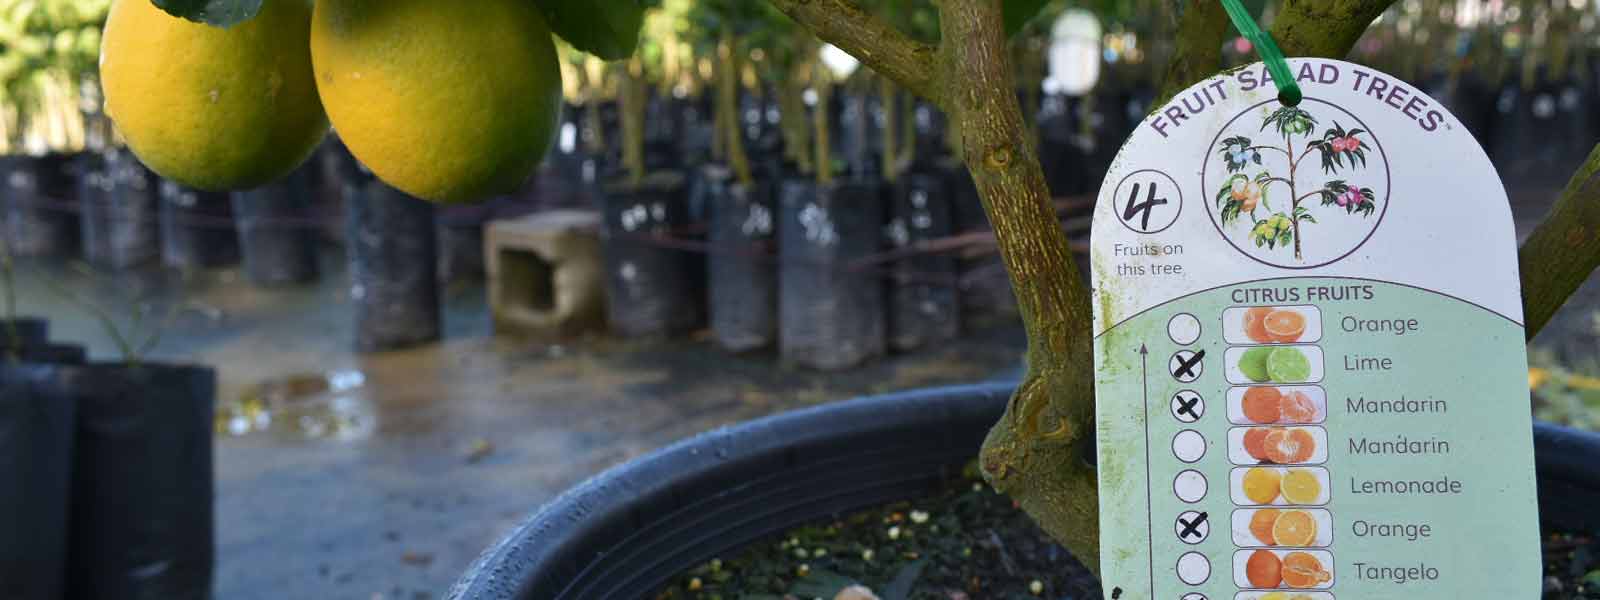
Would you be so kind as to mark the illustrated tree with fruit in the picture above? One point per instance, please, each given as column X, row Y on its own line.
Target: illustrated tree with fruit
column 429, row 88
column 1244, row 196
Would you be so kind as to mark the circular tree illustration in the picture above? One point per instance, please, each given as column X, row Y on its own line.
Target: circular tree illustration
column 1265, row 199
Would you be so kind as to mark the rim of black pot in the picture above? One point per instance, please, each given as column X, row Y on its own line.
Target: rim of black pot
column 627, row 531
column 623, row 533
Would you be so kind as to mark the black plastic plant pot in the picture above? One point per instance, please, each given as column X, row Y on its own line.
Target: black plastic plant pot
column 28, row 331
column 36, row 443
column 278, row 246
column 141, row 518
column 393, row 252
column 650, row 280
column 742, row 289
column 197, row 230
column 622, row 534
column 118, row 203
column 924, row 303
column 39, row 216
column 831, row 310
column 626, row 532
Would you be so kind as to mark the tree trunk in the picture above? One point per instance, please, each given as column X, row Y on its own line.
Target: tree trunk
column 1033, row 453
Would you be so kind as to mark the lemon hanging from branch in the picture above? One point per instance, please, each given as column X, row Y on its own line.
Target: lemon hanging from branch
column 213, row 108
column 447, row 101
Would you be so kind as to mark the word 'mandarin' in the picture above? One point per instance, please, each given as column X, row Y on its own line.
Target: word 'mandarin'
column 1390, row 93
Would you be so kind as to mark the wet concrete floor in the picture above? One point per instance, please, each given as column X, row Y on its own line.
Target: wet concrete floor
column 344, row 476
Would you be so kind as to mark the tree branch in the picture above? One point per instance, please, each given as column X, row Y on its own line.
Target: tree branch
column 873, row 41
column 1326, row 28
column 1202, row 29
column 1564, row 249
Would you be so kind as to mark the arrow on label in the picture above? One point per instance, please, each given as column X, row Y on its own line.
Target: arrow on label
column 1144, row 382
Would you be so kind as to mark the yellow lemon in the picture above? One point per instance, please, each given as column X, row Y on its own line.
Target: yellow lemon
column 1300, row 486
column 1261, row 484
column 447, row 101
column 213, row 108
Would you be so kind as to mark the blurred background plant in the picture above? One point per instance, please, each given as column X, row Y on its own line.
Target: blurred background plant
column 49, row 50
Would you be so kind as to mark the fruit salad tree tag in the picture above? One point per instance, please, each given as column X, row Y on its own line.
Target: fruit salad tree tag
column 1311, row 375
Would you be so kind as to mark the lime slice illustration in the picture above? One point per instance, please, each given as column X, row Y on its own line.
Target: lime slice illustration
column 1287, row 365
column 1254, row 364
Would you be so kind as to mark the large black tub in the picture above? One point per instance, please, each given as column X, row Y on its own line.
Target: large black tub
column 623, row 533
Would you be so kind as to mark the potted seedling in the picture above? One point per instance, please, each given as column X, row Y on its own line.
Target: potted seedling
column 140, row 511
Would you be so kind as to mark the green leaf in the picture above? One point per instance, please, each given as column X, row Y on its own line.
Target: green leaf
column 1019, row 12
column 221, row 13
column 608, row 29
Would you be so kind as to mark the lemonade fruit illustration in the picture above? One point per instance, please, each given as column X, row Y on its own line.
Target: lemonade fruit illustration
column 1287, row 365
column 1261, row 485
column 1261, row 525
column 1264, row 569
column 1289, row 446
column 1294, row 528
column 1262, row 404
column 1255, row 443
column 1253, row 364
column 1297, row 407
column 1284, row 325
column 1255, row 324
column 1300, row 486
column 1303, row 570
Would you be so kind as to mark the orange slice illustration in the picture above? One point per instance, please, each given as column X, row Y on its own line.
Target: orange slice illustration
column 1255, row 324
column 1284, row 325
column 1261, row 525
column 1294, row 528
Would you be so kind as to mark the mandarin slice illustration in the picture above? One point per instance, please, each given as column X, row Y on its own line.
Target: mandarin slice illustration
column 1255, row 443
column 1289, row 446
column 1297, row 407
column 1262, row 404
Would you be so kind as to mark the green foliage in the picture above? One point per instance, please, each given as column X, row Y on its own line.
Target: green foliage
column 1019, row 12
column 608, row 29
column 1290, row 120
column 221, row 13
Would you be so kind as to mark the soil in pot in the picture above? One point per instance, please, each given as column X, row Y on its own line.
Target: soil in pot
column 965, row 541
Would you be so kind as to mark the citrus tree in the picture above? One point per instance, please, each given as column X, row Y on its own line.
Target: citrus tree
column 1041, row 451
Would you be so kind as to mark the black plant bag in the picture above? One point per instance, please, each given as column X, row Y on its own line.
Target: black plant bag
column 142, row 486
column 36, row 443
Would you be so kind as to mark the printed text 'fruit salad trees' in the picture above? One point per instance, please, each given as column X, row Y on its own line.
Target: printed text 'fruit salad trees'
column 1246, row 195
